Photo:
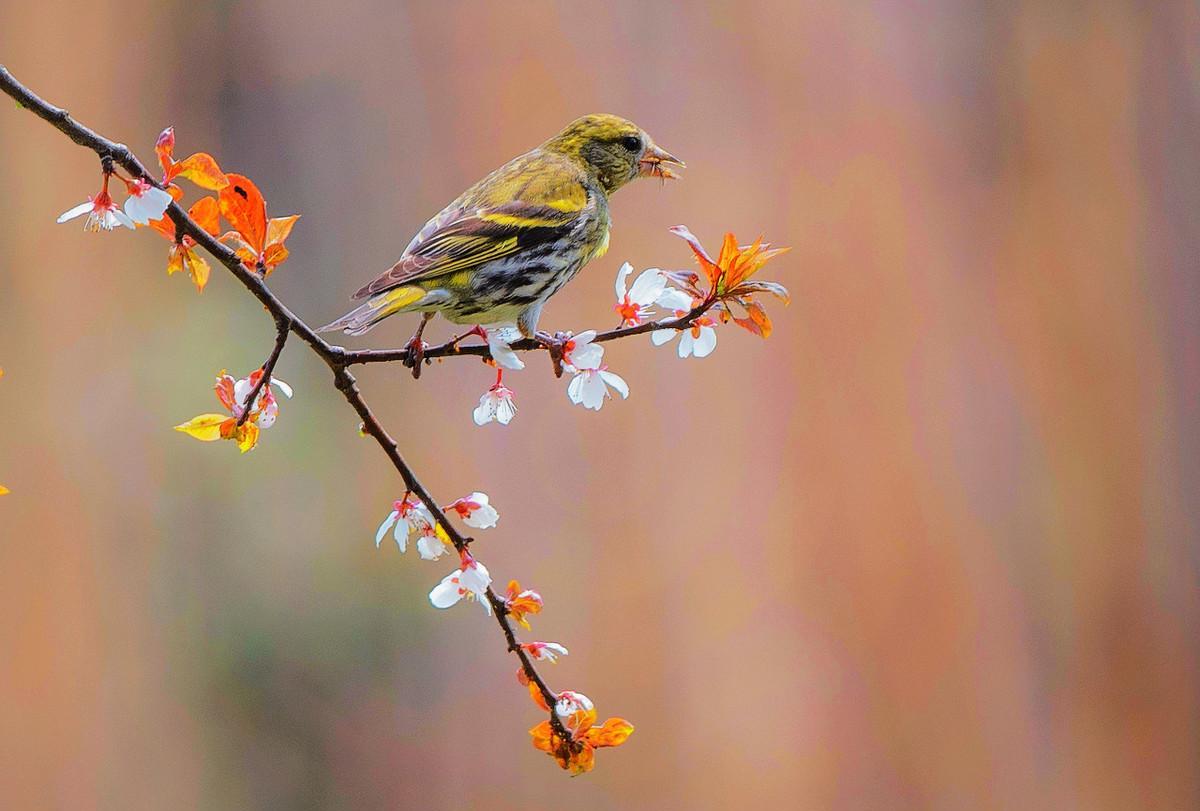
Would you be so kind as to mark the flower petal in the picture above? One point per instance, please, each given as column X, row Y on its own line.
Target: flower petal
column 387, row 524
column 430, row 547
column 123, row 218
column 648, row 286
column 674, row 299
column 661, row 336
column 622, row 275
column 77, row 211
column 705, row 343
column 501, row 353
column 283, row 387
column 485, row 412
column 447, row 592
column 616, row 381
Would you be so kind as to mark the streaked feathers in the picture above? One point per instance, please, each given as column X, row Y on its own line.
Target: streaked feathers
column 513, row 239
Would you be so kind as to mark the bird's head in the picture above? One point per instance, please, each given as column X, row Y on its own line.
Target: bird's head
column 612, row 149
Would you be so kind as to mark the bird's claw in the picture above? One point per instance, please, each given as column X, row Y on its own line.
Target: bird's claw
column 415, row 354
column 554, row 345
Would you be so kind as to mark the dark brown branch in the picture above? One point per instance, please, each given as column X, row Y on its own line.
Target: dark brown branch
column 282, row 330
column 334, row 356
column 452, row 348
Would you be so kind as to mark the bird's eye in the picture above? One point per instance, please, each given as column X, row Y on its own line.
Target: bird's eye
column 632, row 142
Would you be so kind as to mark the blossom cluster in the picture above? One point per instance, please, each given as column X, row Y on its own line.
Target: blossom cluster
column 470, row 580
column 245, row 419
column 256, row 239
column 678, row 293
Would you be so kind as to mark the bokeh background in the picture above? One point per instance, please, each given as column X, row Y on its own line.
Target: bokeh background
column 933, row 545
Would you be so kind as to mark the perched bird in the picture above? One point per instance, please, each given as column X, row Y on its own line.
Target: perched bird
column 511, row 241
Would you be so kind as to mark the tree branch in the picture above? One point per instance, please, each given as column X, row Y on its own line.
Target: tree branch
column 452, row 348
column 336, row 358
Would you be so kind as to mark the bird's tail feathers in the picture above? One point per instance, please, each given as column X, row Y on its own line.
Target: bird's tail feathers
column 362, row 318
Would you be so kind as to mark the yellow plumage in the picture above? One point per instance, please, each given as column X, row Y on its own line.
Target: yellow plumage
column 508, row 243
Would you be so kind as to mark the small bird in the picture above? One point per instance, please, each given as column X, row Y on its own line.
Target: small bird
column 511, row 241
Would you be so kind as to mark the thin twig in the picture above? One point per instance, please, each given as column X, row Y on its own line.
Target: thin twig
column 334, row 356
column 282, row 330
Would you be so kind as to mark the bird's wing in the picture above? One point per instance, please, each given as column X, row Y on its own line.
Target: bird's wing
column 515, row 209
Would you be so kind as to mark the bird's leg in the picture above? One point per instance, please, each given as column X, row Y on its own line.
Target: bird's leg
column 475, row 330
column 527, row 324
column 416, row 347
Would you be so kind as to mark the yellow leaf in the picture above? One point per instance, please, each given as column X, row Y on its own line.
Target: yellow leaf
column 199, row 270
column 247, row 437
column 3, row 490
column 205, row 427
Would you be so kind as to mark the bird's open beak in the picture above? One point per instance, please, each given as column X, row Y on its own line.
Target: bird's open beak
column 653, row 160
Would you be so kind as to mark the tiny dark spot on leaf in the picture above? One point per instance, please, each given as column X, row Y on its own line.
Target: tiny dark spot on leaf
column 242, row 192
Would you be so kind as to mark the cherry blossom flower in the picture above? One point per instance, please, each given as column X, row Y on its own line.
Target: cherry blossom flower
column 475, row 511
column 498, row 341
column 496, row 404
column 698, row 340
column 520, row 602
column 102, row 212
column 589, row 387
column 578, row 716
column 635, row 304
column 470, row 581
column 265, row 405
column 145, row 202
column 409, row 516
column 545, row 651
column 580, row 353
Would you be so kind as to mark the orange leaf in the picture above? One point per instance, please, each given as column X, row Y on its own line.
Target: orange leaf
column 241, row 248
column 729, row 250
column 205, row 427
column 274, row 255
column 542, row 736
column 535, row 693
column 759, row 322
column 201, row 169
column 582, row 761
column 613, row 732
column 278, row 229
column 244, row 207
column 206, row 212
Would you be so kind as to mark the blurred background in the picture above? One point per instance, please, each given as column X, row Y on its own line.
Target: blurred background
column 932, row 545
